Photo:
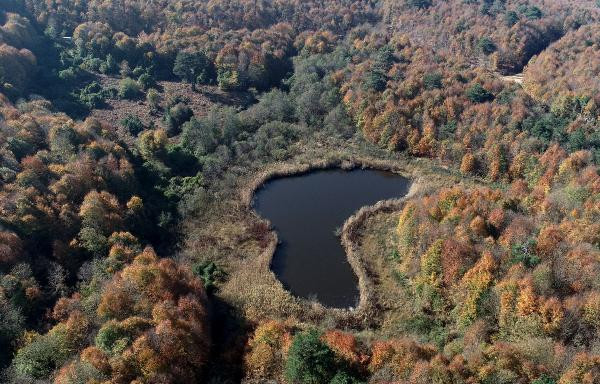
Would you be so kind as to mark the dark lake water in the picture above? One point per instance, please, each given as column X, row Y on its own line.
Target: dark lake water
column 305, row 210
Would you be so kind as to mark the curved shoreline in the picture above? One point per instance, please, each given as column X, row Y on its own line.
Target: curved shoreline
column 365, row 311
column 285, row 169
column 349, row 237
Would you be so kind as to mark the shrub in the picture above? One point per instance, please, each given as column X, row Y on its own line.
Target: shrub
column 407, row 230
column 109, row 65
column 70, row 74
column 153, row 99
column 137, row 71
column 92, row 95
column 133, row 124
column 146, row 80
column 129, row 89
column 210, row 274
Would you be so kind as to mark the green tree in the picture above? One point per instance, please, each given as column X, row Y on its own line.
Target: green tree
column 193, row 67
column 310, row 361
column 273, row 139
column 421, row 4
column 533, row 13
column 432, row 80
column 477, row 94
column 198, row 137
column 112, row 338
column 230, row 80
column 274, row 105
column 176, row 116
column 344, row 378
column 511, row 18
column 42, row 356
column 375, row 80
column 544, row 379
column 486, row 45
column 93, row 240
column 547, row 127
column 525, row 253
column 577, row 140
column 209, row 272
column 11, row 327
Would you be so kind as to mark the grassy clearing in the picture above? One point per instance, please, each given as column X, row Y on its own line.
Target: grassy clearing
column 200, row 101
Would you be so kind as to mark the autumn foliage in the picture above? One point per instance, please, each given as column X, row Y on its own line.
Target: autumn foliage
column 150, row 325
column 494, row 280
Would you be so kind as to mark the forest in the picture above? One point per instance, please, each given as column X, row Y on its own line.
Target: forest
column 133, row 135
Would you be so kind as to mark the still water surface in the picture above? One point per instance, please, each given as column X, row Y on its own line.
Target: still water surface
column 306, row 210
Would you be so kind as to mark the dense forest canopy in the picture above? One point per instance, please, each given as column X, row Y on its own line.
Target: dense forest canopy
column 129, row 130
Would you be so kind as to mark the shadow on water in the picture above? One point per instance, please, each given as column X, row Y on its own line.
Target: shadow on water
column 306, row 211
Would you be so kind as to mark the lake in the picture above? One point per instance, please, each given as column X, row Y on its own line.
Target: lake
column 306, row 210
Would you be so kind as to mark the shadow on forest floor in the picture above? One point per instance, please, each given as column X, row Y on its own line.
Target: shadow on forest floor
column 229, row 331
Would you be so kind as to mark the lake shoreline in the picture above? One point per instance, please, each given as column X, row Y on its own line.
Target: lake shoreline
column 284, row 169
column 365, row 311
column 244, row 243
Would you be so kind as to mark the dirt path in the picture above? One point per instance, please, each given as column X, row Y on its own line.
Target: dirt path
column 516, row 78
